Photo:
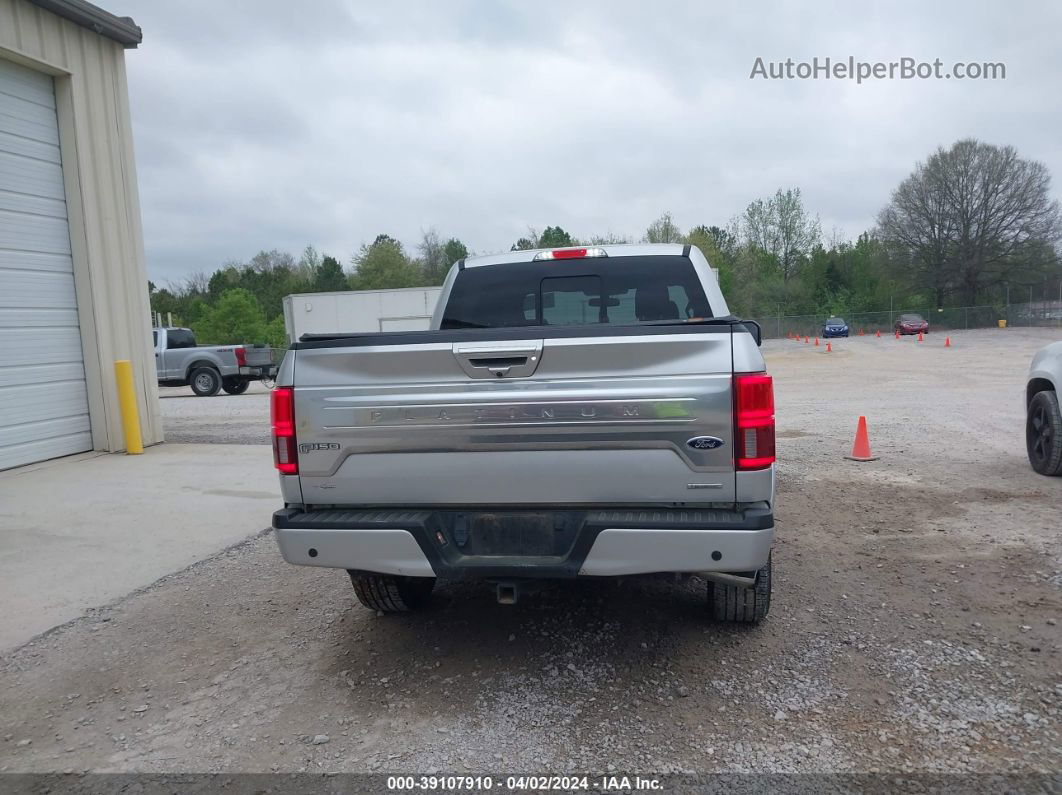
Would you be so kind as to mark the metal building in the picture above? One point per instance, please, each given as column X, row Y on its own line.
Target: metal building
column 73, row 283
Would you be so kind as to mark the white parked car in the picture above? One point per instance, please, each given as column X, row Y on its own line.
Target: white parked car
column 1043, row 424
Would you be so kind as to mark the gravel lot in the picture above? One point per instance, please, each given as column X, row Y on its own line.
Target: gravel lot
column 914, row 624
column 222, row 419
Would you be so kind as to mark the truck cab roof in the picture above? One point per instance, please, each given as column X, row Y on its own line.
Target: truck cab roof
column 611, row 250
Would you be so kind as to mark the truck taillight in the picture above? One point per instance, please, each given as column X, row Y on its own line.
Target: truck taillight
column 753, row 421
column 241, row 357
column 282, row 414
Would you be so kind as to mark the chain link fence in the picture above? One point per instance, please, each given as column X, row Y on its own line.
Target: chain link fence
column 1043, row 313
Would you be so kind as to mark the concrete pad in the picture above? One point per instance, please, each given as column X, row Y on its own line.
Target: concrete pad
column 80, row 532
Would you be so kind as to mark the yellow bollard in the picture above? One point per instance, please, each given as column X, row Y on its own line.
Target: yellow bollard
column 123, row 374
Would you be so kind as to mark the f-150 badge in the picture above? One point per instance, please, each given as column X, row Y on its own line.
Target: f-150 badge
column 704, row 442
column 311, row 446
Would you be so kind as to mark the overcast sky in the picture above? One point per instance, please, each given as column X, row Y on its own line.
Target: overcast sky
column 273, row 124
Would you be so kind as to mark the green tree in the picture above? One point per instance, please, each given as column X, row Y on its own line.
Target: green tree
column 454, row 250
column 782, row 228
column 383, row 265
column 165, row 302
column 329, row 276
column 554, row 237
column 276, row 334
column 703, row 238
column 225, row 278
column 236, row 317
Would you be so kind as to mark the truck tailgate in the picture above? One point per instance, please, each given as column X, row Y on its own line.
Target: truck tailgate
column 258, row 355
column 608, row 418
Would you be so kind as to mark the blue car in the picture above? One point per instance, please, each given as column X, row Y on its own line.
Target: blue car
column 835, row 327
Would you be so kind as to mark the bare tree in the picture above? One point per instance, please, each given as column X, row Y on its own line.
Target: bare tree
column 265, row 261
column 971, row 216
column 663, row 230
column 917, row 226
column 196, row 283
column 608, row 239
column 432, row 255
column 529, row 242
column 783, row 228
column 309, row 262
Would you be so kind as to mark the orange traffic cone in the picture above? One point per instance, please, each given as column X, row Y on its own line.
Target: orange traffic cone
column 947, row 342
column 897, row 333
column 879, row 333
column 816, row 342
column 829, row 347
column 860, row 332
column 807, row 339
column 919, row 336
column 861, row 446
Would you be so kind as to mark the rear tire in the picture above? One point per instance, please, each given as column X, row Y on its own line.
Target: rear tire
column 205, row 381
column 735, row 604
column 236, row 387
column 390, row 594
column 1043, row 433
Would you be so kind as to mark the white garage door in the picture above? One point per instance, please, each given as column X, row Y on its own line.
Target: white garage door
column 42, row 374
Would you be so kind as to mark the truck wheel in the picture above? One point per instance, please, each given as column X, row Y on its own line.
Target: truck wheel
column 235, row 387
column 389, row 594
column 205, row 381
column 1043, row 433
column 741, row 605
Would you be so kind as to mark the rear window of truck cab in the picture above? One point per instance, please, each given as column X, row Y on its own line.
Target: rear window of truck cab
column 593, row 291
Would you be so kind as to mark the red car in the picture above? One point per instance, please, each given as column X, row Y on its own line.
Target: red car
column 911, row 324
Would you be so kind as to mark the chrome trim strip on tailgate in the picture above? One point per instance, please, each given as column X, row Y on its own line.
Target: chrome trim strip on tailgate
column 459, row 415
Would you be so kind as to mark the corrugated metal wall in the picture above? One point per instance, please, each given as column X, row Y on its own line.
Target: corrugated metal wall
column 106, row 238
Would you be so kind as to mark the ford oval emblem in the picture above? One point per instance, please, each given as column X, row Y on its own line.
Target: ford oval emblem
column 704, row 442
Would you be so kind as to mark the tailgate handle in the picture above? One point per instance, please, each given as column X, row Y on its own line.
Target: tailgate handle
column 486, row 361
column 498, row 362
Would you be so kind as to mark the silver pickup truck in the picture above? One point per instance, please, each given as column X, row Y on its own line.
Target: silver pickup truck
column 208, row 369
column 1043, row 424
column 579, row 412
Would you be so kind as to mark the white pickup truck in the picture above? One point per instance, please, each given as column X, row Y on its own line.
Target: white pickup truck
column 208, row 369
column 576, row 412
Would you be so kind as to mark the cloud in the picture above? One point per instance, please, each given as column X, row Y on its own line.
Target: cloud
column 272, row 124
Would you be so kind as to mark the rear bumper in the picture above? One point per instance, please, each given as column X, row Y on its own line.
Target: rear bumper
column 443, row 543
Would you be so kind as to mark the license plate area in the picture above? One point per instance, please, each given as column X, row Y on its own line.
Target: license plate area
column 512, row 534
